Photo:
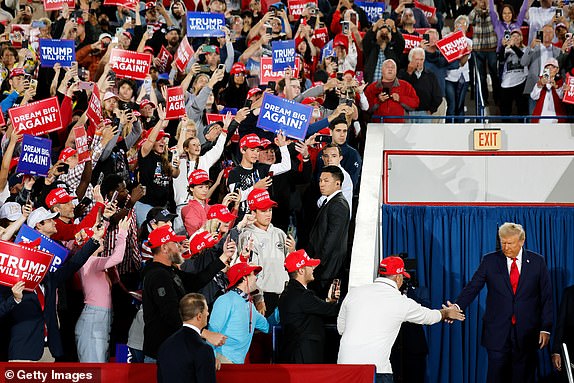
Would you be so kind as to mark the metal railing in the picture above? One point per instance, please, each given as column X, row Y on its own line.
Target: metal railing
column 484, row 119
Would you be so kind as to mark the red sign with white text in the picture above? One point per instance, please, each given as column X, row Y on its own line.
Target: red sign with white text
column 2, row 121
column 454, row 46
column 130, row 64
column 82, row 144
column 175, row 104
column 130, row 4
column 54, row 5
column 183, row 55
column 320, row 37
column 267, row 74
column 296, row 7
column 569, row 95
column 214, row 117
column 20, row 263
column 94, row 111
column 37, row 118
column 427, row 9
column 422, row 31
column 411, row 41
column 165, row 59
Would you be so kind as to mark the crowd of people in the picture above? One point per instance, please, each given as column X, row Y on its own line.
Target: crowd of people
column 162, row 208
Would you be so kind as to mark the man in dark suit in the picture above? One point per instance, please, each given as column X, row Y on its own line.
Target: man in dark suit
column 328, row 237
column 518, row 315
column 185, row 356
column 301, row 312
column 564, row 329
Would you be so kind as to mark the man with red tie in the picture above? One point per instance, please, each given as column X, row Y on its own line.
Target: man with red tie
column 518, row 315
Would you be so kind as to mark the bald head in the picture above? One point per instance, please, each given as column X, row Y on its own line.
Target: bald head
column 389, row 70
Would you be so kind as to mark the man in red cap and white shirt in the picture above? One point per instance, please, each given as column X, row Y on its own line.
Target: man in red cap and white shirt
column 301, row 312
column 371, row 317
column 251, row 174
column 234, row 314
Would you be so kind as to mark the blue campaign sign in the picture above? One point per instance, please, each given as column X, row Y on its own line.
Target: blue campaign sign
column 283, row 55
column 374, row 11
column 327, row 50
column 27, row 234
column 57, row 51
column 35, row 156
column 288, row 116
column 205, row 24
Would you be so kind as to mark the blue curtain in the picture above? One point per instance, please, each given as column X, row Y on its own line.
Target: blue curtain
column 448, row 244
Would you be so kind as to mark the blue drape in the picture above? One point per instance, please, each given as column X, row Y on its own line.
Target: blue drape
column 448, row 243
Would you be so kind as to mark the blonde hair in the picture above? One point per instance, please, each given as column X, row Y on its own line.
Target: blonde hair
column 509, row 229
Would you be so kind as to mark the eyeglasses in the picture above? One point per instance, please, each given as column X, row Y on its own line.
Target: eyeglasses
column 239, row 74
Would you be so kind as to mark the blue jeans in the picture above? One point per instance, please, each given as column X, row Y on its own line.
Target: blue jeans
column 418, row 120
column 455, row 97
column 484, row 60
column 93, row 334
column 141, row 210
column 383, row 378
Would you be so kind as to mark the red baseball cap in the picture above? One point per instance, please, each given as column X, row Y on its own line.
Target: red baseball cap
column 220, row 212
column 250, row 141
column 265, row 143
column 198, row 177
column 259, row 199
column 200, row 240
column 393, row 266
column 146, row 102
column 67, row 153
column 240, row 270
column 163, row 235
column 159, row 137
column 56, row 196
column 238, row 68
column 298, row 259
column 253, row 91
column 310, row 100
column 17, row 72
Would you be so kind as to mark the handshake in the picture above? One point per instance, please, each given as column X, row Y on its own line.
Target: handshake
column 451, row 312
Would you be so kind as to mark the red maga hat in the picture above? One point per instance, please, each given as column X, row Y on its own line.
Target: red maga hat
column 299, row 259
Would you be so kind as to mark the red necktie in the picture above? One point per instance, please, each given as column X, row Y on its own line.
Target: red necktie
column 514, row 276
column 42, row 300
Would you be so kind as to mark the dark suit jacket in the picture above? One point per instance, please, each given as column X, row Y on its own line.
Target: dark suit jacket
column 27, row 319
column 532, row 304
column 301, row 315
column 564, row 332
column 328, row 237
column 185, row 357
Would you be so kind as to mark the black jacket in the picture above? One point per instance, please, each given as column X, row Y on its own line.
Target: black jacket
column 427, row 89
column 371, row 49
column 564, row 332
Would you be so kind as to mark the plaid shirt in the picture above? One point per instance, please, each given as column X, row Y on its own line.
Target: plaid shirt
column 132, row 261
column 484, row 37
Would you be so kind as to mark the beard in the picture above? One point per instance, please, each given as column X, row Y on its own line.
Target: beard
column 176, row 258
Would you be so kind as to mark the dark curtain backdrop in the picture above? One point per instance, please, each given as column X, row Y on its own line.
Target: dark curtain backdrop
column 448, row 243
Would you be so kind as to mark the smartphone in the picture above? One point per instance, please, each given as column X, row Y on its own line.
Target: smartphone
column 221, row 67
column 63, row 168
column 353, row 18
column 85, row 201
column 507, row 35
column 38, row 24
column 340, row 76
column 312, row 21
column 129, row 20
column 386, row 15
column 269, row 30
column 346, row 27
column 349, row 102
column 271, row 85
column 174, row 158
column 540, row 35
column 426, row 37
column 114, row 197
column 558, row 12
column 270, row 174
column 150, row 30
column 323, row 138
column 360, row 76
column 86, row 85
column 119, row 31
column 248, row 103
column 112, row 75
column 409, row 5
column 33, row 84
column 336, row 285
column 568, row 35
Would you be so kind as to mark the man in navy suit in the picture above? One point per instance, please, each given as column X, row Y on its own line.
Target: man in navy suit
column 185, row 356
column 518, row 315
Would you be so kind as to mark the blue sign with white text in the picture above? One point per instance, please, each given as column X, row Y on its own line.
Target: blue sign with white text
column 327, row 50
column 57, row 51
column 374, row 11
column 283, row 55
column 280, row 114
column 27, row 234
column 205, row 24
column 35, row 156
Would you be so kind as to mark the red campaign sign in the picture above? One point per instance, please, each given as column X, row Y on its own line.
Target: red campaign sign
column 296, row 7
column 175, row 104
column 569, row 95
column 82, row 144
column 454, row 46
column 94, row 111
column 20, row 263
column 320, row 37
column 130, row 4
column 422, row 31
column 165, row 59
column 37, row 118
column 2, row 121
column 54, row 5
column 411, row 41
column 213, row 117
column 266, row 71
column 427, row 9
column 130, row 64
column 183, row 55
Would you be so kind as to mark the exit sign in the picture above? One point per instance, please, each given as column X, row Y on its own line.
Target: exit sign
column 487, row 139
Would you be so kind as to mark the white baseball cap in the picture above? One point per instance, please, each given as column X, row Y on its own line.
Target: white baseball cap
column 11, row 210
column 39, row 215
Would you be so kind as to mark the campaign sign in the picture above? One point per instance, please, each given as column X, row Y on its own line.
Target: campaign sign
column 19, row 263
column 283, row 54
column 130, row 64
column 427, row 9
column 411, row 41
column 165, row 59
column 81, row 139
column 130, row 4
column 53, row 51
column 27, row 234
column 267, row 74
column 175, row 104
column 288, row 116
column 374, row 11
column 320, row 37
column 37, row 118
column 454, row 46
column 183, row 55
column 35, row 156
column 54, row 5
column 214, row 117
column 205, row 24
column 2, row 121
column 569, row 95
column 327, row 50
column 94, row 111
column 296, row 7
column 422, row 31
